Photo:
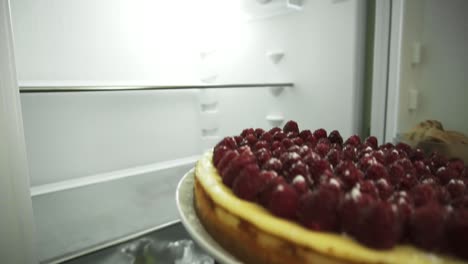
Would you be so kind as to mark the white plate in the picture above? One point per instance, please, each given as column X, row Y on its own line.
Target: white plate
column 189, row 218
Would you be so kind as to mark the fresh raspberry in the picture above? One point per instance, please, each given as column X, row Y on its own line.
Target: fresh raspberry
column 248, row 184
column 456, row 164
column 461, row 202
column 297, row 168
column 304, row 150
column 322, row 149
column 457, row 232
column 261, row 144
column 335, row 137
column 404, row 203
column 336, row 146
column 368, row 187
column 376, row 171
column 438, row 160
column 259, row 132
column 298, row 141
column 279, row 136
column 294, row 148
column 291, row 126
column 239, row 140
column 305, row 134
column 385, row 188
column 421, row 168
column 353, row 140
column 247, row 131
column 273, row 164
column 429, row 179
column 263, row 155
column 343, row 166
column 243, row 149
column 445, row 174
column 379, row 156
column 391, row 156
column 351, row 177
column 299, row 184
column 275, row 130
column 311, row 141
column 405, row 147
column 320, row 133
column 443, row 195
column 456, row 188
column 251, row 140
column 334, row 157
column 278, row 152
column 364, row 150
column 423, row 194
column 417, row 154
column 387, row 146
column 406, row 164
column 317, row 167
column 381, row 228
column 327, row 180
column 264, row 196
column 366, row 161
column 427, row 227
column 284, row 201
column 235, row 166
column 318, row 210
column 267, row 136
column 229, row 142
column 288, row 159
column 287, row 143
column 372, row 141
column 351, row 211
column 218, row 154
column 409, row 180
column 226, row 159
column 349, row 153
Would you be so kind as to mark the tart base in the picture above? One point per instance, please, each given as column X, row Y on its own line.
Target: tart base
column 247, row 243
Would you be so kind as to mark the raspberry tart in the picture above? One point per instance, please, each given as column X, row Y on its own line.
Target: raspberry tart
column 290, row 196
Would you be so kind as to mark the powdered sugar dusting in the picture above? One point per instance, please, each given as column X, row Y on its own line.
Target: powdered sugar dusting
column 280, row 188
column 298, row 179
column 334, row 182
column 355, row 192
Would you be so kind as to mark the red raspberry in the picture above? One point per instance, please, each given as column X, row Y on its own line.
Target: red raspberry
column 343, row 166
column 311, row 141
column 318, row 210
column 423, row 194
column 247, row 131
column 421, row 168
column 368, row 187
column 263, row 155
column 456, row 164
column 408, row 181
column 405, row 147
column 298, row 141
column 391, row 156
column 226, row 159
column 366, row 161
column 284, row 201
column 287, row 143
column 381, row 227
column 218, row 154
column 461, row 202
column 273, row 164
column 350, row 211
column 445, row 174
column 267, row 136
column 334, row 157
column 322, row 149
column 379, row 156
column 349, row 153
column 279, row 136
column 261, row 144
column 372, row 141
column 335, row 137
column 443, row 195
column 438, row 160
column 288, row 159
column 385, row 188
column 259, row 132
column 457, row 232
column 456, row 188
column 275, row 130
column 387, row 146
column 353, row 140
column 229, row 142
column 239, row 140
column 376, row 171
column 264, row 196
column 320, row 133
column 406, row 164
column 305, row 134
column 364, row 150
column 299, row 184
column 249, row 183
column 291, row 135
column 291, row 126
column 304, row 150
column 427, row 226
column 317, row 167
column 235, row 166
column 251, row 140
column 417, row 154
column 351, row 177
column 429, row 179
column 294, row 148
column 404, row 203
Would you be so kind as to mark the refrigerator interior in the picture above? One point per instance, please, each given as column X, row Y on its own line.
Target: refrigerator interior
column 104, row 165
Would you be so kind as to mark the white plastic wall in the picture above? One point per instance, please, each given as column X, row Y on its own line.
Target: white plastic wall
column 163, row 42
column 441, row 77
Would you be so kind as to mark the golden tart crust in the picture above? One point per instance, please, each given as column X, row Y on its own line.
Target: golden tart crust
column 252, row 234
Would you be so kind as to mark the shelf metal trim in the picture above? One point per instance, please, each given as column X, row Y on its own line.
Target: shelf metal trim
column 66, row 89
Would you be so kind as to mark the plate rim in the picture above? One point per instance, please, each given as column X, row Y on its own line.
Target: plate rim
column 194, row 227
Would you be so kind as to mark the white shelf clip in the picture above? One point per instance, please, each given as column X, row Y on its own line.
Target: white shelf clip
column 275, row 120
